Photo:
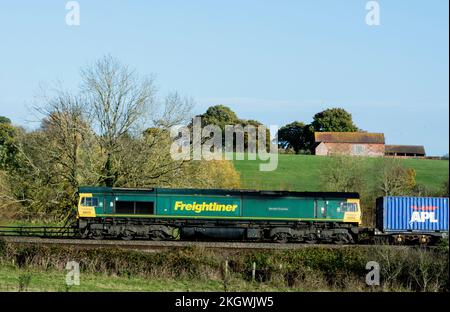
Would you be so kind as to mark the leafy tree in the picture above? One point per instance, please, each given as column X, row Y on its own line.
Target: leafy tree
column 219, row 115
column 9, row 205
column 333, row 120
column 207, row 174
column 300, row 137
column 8, row 146
column 256, row 124
column 295, row 136
column 222, row 116
column 4, row 119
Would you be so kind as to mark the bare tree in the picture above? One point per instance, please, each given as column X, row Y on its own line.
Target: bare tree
column 429, row 269
column 67, row 130
column 148, row 160
column 343, row 174
column 394, row 179
column 176, row 110
column 392, row 263
column 122, row 105
column 114, row 132
column 118, row 101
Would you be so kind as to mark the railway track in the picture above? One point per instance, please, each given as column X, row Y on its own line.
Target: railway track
column 67, row 236
column 158, row 245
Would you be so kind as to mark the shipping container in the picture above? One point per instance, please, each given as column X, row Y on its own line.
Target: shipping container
column 398, row 214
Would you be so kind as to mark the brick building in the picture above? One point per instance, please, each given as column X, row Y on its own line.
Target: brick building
column 349, row 143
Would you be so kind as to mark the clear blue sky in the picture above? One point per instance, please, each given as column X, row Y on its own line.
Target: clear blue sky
column 275, row 61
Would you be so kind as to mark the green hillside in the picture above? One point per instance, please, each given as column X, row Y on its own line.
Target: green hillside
column 302, row 172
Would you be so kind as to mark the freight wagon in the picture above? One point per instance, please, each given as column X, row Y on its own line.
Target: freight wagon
column 159, row 213
column 412, row 218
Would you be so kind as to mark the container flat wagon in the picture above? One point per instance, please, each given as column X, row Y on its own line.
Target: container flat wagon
column 406, row 218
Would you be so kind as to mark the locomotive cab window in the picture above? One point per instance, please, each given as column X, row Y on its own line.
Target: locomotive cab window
column 348, row 207
column 89, row 201
column 132, row 207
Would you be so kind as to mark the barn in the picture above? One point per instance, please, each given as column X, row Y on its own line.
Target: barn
column 349, row 143
column 405, row 150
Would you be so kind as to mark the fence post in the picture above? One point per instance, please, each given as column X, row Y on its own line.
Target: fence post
column 226, row 268
column 253, row 271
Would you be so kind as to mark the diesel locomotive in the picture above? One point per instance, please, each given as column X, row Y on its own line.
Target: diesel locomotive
column 245, row 215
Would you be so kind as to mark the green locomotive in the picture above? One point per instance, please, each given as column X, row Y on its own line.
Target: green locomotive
column 162, row 213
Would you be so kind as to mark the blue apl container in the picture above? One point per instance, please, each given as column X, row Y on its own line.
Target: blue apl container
column 412, row 214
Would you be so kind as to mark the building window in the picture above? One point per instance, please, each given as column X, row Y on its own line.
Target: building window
column 358, row 149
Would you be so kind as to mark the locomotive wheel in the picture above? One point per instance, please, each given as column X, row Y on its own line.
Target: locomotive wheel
column 343, row 238
column 127, row 236
column 311, row 239
column 97, row 235
column 398, row 239
column 157, row 235
column 281, row 238
column 424, row 240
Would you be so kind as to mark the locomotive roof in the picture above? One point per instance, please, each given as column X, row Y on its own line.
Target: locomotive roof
column 220, row 192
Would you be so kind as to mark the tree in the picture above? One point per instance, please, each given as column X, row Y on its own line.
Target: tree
column 4, row 120
column 294, row 135
column 10, row 162
column 222, row 116
column 333, row 120
column 343, row 174
column 119, row 102
column 219, row 115
column 256, row 124
column 63, row 155
column 113, row 132
column 394, row 179
column 8, row 146
column 350, row 174
column 207, row 174
column 9, row 205
column 68, row 135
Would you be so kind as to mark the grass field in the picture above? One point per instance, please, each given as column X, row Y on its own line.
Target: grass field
column 302, row 172
column 15, row 279
column 319, row 268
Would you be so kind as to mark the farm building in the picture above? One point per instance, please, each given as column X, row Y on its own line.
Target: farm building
column 349, row 143
column 405, row 150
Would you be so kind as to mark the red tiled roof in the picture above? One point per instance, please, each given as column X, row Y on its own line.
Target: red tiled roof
column 349, row 137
